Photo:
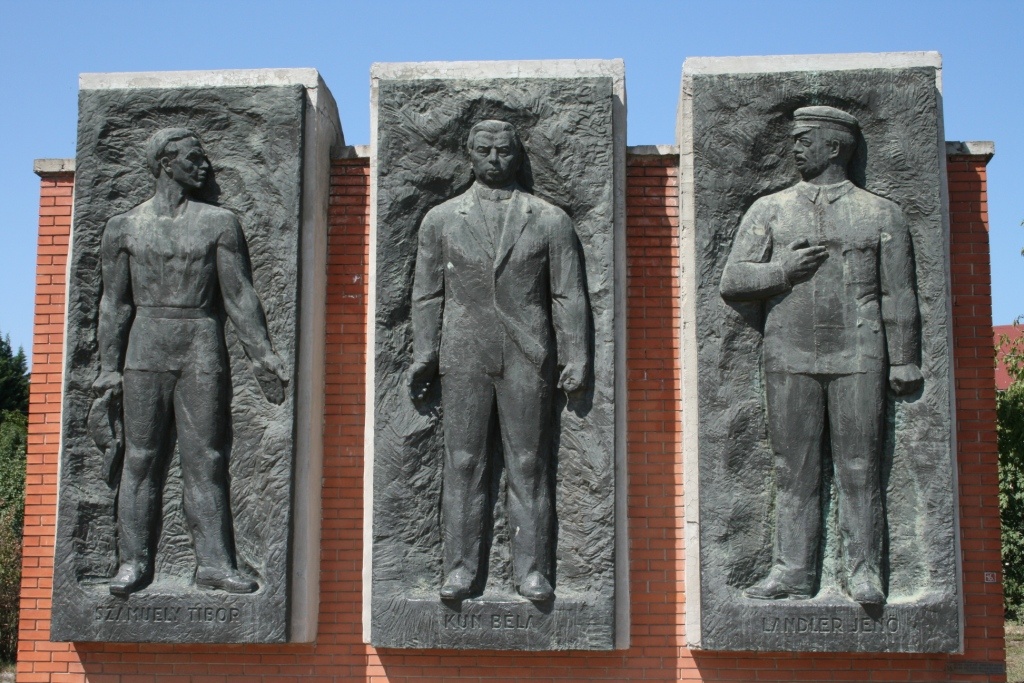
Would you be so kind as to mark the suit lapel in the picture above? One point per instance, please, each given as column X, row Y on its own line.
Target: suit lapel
column 519, row 213
column 471, row 232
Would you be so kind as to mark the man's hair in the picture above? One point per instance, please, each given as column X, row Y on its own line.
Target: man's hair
column 494, row 126
column 846, row 139
column 156, row 148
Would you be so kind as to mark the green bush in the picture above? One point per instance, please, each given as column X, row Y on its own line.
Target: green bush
column 13, row 434
column 13, row 426
column 1010, row 432
column 1010, row 415
column 10, row 585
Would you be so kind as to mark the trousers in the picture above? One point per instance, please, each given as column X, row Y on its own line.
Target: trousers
column 798, row 407
column 194, row 405
column 520, row 399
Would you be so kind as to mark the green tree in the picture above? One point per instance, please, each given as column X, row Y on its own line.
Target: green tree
column 13, row 377
column 14, row 380
column 13, row 438
column 10, row 585
column 1010, row 432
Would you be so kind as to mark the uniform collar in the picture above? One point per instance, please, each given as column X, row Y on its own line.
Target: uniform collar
column 832, row 192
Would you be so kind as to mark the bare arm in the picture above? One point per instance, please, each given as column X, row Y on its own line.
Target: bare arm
column 569, row 314
column 116, row 306
column 241, row 302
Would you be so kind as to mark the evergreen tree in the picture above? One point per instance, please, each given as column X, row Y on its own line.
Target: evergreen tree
column 13, row 378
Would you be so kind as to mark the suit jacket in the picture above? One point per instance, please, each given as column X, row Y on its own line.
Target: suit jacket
column 474, row 305
column 858, row 307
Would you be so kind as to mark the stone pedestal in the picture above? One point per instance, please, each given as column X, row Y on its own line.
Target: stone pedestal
column 252, row 229
column 741, row 122
column 560, row 265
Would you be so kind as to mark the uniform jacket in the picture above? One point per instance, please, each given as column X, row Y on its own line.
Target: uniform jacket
column 857, row 308
column 474, row 305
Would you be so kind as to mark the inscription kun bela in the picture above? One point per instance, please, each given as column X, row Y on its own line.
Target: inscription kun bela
column 510, row 622
column 830, row 624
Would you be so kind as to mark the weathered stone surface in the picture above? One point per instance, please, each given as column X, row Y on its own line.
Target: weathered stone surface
column 570, row 127
column 255, row 137
column 737, row 147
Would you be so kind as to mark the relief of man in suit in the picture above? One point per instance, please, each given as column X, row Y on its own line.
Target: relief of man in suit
column 834, row 266
column 499, row 312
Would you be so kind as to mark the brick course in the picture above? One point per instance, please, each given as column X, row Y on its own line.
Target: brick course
column 655, row 496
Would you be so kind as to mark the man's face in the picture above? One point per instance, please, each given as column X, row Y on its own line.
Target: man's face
column 189, row 167
column 812, row 150
column 495, row 157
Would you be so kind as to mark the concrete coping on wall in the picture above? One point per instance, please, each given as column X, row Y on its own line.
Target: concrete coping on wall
column 353, row 152
column 971, row 148
column 47, row 167
column 652, row 150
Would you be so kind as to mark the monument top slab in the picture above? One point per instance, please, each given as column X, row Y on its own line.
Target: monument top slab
column 307, row 77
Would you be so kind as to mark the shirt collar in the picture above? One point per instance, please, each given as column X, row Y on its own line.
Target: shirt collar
column 832, row 192
column 499, row 194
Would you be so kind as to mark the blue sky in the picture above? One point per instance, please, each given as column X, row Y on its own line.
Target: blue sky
column 44, row 45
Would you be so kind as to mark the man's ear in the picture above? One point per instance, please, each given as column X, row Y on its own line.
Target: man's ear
column 165, row 164
column 834, row 149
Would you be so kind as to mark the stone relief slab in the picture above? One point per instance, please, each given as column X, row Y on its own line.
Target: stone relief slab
column 494, row 450
column 820, row 473
column 187, row 390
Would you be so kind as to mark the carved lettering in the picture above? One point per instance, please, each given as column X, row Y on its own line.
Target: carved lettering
column 147, row 614
column 462, row 621
column 829, row 624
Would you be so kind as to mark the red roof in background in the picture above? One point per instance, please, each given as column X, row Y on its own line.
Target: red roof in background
column 1012, row 332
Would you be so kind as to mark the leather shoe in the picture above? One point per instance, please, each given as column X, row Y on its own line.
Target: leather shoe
column 868, row 593
column 536, row 587
column 130, row 578
column 227, row 580
column 457, row 585
column 773, row 588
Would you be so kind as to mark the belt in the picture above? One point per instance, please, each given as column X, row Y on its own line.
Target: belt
column 172, row 312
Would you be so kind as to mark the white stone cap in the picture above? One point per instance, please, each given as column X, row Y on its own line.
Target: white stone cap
column 652, row 150
column 826, row 62
column 353, row 152
column 974, row 148
column 226, row 78
column 539, row 68
column 43, row 167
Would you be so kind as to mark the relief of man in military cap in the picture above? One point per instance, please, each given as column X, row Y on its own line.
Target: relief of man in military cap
column 833, row 265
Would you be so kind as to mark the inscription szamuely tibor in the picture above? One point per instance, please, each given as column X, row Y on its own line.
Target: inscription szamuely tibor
column 166, row 614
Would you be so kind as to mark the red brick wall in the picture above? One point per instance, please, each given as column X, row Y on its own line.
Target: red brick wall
column 658, row 651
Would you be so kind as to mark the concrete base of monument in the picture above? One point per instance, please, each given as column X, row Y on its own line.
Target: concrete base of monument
column 493, row 621
column 831, row 622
